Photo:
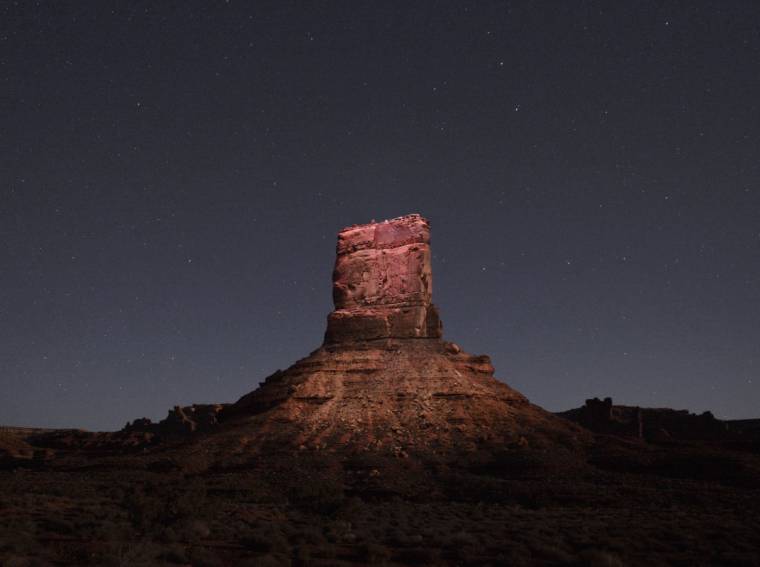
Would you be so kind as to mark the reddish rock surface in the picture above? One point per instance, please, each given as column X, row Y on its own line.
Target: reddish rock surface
column 383, row 282
column 394, row 395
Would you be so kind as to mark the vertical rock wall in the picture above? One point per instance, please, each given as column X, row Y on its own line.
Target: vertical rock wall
column 383, row 283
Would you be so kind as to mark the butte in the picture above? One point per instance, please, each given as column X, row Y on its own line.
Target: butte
column 384, row 380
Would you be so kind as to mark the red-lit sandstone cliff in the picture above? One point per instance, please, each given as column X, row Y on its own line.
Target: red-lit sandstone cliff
column 383, row 283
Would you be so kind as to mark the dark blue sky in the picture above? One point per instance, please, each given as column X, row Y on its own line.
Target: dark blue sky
column 174, row 175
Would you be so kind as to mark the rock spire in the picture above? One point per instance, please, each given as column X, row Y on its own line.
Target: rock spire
column 383, row 282
column 384, row 380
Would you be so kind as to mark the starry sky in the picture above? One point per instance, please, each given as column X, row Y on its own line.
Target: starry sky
column 173, row 176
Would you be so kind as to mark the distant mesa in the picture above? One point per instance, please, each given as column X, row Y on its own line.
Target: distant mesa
column 181, row 420
column 659, row 424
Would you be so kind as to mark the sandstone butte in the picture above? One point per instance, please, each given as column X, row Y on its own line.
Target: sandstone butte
column 384, row 379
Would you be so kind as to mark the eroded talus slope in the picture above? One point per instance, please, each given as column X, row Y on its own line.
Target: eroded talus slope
column 395, row 396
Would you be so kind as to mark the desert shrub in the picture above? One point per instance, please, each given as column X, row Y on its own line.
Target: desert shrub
column 168, row 535
column 115, row 493
column 517, row 556
column 465, row 546
column 57, row 526
column 314, row 483
column 463, row 539
column 57, row 490
column 600, row 558
column 19, row 561
column 163, row 466
column 174, row 553
column 139, row 553
column 154, row 507
column 202, row 557
column 111, row 531
column 197, row 529
column 337, row 531
column 189, row 499
column 324, row 551
column 549, row 552
column 420, row 556
column 321, row 495
column 143, row 510
column 185, row 530
column 397, row 537
column 19, row 538
column 266, row 539
column 374, row 553
column 268, row 560
column 351, row 508
column 310, row 535
column 301, row 555
column 475, row 488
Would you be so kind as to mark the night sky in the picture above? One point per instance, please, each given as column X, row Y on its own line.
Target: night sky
column 173, row 176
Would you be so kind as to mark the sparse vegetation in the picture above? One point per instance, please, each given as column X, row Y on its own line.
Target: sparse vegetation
column 317, row 510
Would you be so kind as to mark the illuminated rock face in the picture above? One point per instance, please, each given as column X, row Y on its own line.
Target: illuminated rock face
column 384, row 380
column 383, row 283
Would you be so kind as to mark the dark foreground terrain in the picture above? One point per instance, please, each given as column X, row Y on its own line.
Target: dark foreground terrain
column 619, row 502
